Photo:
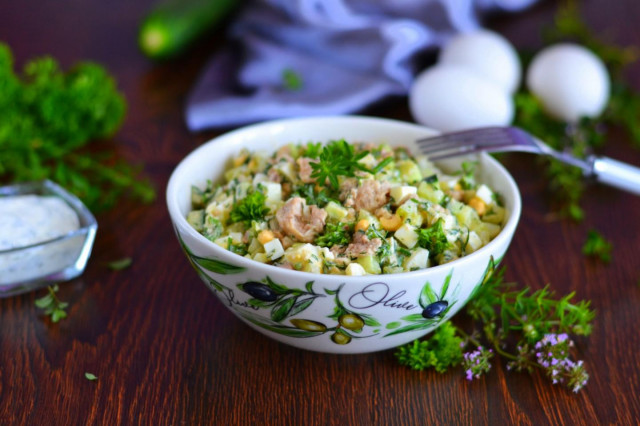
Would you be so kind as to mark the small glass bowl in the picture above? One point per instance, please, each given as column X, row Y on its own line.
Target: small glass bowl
column 23, row 269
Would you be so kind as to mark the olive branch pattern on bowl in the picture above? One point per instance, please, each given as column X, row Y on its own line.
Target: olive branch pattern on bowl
column 285, row 303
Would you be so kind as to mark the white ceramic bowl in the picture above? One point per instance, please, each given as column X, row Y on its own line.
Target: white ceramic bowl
column 333, row 313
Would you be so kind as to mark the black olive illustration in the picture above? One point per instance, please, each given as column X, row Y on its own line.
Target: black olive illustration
column 308, row 325
column 260, row 291
column 435, row 309
column 351, row 322
column 340, row 339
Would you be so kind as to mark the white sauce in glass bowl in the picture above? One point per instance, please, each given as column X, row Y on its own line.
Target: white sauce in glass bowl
column 32, row 219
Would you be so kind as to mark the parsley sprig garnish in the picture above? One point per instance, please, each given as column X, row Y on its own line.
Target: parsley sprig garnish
column 250, row 208
column 433, row 238
column 48, row 116
column 529, row 329
column 337, row 158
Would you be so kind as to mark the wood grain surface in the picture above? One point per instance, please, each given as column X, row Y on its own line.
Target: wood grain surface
column 167, row 352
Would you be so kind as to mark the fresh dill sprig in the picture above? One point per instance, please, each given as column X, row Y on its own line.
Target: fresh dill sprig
column 51, row 305
column 48, row 117
column 528, row 329
column 597, row 246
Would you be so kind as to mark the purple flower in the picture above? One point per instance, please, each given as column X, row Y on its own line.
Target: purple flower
column 477, row 362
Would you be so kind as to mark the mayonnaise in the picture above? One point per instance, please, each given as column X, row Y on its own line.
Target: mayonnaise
column 31, row 219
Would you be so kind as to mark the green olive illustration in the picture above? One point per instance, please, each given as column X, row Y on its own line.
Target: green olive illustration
column 308, row 325
column 340, row 338
column 351, row 322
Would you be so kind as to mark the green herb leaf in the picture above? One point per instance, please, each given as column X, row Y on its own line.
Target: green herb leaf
column 291, row 80
column 467, row 174
column 48, row 116
column 536, row 323
column 441, row 351
column 51, row 305
column 120, row 264
column 335, row 234
column 250, row 208
column 597, row 246
column 338, row 158
column 433, row 238
column 216, row 266
column 90, row 376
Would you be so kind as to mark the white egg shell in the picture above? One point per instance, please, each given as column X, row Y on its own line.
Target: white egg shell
column 570, row 81
column 489, row 54
column 449, row 98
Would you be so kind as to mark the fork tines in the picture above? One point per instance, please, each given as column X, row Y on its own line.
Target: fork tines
column 489, row 139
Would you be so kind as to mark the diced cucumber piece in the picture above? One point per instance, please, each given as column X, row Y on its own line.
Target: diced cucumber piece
column 430, row 192
column 409, row 213
column 196, row 219
column 242, row 189
column 409, row 171
column 495, row 215
column 336, row 211
column 286, row 169
column 197, row 197
column 370, row 264
column 255, row 247
column 473, row 243
column 239, row 173
column 393, row 269
column 261, row 257
column 467, row 216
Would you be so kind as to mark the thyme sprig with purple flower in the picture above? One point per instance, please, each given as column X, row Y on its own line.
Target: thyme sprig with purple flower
column 528, row 329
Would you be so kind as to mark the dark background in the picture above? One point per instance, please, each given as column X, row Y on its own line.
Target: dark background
column 166, row 352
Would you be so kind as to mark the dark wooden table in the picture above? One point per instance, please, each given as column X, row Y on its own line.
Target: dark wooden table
column 167, row 352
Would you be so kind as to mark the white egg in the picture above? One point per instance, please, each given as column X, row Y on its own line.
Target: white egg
column 489, row 54
column 450, row 98
column 570, row 81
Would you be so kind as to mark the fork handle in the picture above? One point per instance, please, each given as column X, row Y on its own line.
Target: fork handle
column 615, row 173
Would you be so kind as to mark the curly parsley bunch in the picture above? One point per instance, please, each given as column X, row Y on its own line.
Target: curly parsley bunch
column 47, row 115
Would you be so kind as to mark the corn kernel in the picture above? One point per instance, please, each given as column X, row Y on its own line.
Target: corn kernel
column 362, row 225
column 240, row 159
column 265, row 236
column 391, row 222
column 478, row 205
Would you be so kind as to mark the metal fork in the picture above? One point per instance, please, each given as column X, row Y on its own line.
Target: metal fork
column 502, row 139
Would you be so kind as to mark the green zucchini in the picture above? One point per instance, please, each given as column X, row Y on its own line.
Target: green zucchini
column 173, row 25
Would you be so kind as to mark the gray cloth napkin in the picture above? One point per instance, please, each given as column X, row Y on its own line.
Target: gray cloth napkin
column 345, row 55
